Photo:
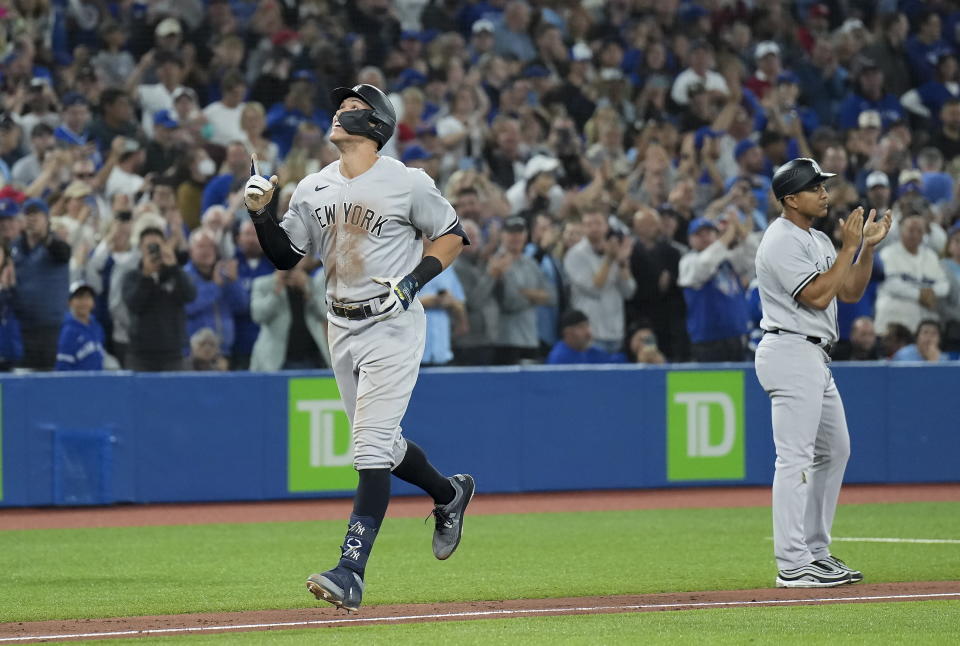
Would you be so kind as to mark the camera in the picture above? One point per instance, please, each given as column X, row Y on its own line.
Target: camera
column 615, row 233
column 124, row 216
column 154, row 250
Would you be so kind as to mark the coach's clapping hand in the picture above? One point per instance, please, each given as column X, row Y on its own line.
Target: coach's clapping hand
column 873, row 231
column 259, row 190
column 851, row 229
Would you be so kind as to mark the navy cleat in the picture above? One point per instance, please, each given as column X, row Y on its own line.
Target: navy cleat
column 340, row 586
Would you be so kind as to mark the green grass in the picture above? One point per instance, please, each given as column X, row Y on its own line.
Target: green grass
column 59, row 574
column 918, row 623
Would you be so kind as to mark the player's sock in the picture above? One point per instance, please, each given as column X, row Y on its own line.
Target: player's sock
column 417, row 470
column 369, row 508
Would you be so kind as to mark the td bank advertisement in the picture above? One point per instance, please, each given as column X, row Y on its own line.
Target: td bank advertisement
column 705, row 429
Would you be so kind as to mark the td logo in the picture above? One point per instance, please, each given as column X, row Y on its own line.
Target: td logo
column 320, row 441
column 705, row 437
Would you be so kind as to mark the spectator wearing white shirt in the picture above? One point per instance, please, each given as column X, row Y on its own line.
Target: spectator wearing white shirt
column 224, row 115
column 914, row 281
column 598, row 268
column 154, row 97
column 699, row 73
column 125, row 177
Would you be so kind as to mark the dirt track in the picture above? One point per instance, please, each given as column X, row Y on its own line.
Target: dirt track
column 328, row 617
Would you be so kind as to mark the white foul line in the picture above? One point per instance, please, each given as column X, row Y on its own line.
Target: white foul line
column 479, row 613
column 942, row 541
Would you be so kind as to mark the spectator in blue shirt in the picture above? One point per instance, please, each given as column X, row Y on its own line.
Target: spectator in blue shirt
column 219, row 296
column 285, row 117
column 575, row 346
column 926, row 46
column 11, row 340
column 869, row 94
column 237, row 173
column 927, row 346
column 443, row 302
column 43, row 280
column 81, row 337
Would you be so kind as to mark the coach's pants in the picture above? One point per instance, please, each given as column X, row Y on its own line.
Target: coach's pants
column 812, row 443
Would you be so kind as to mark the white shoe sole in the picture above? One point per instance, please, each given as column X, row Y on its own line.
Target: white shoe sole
column 810, row 584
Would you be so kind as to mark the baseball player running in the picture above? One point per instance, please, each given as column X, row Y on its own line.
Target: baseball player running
column 365, row 215
column 800, row 276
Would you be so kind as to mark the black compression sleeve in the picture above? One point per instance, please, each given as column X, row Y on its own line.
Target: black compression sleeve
column 273, row 239
column 427, row 270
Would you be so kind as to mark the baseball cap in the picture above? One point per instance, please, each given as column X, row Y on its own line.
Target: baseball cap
column 571, row 318
column 163, row 118
column 788, row 77
column 540, row 164
column 536, row 72
column 409, row 34
column 742, row 147
column 168, row 27
column 78, row 286
column 877, row 178
column 9, row 207
column 40, row 130
column 797, row 175
column 482, row 25
column 765, row 48
column 850, row 25
column 581, row 52
column 700, row 223
column 819, row 11
column 909, row 176
column 184, row 91
column 73, row 98
column 35, row 204
column 416, row 153
column 514, row 223
column 303, row 75
column 869, row 119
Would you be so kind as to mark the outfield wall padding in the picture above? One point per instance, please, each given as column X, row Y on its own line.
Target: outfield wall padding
column 124, row 437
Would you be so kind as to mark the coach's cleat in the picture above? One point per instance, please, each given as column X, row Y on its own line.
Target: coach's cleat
column 339, row 586
column 819, row 574
column 856, row 576
column 449, row 517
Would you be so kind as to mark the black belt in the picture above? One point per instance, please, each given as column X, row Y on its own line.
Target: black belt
column 815, row 340
column 354, row 311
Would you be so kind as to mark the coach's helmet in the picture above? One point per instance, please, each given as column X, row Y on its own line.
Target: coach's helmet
column 377, row 124
column 796, row 175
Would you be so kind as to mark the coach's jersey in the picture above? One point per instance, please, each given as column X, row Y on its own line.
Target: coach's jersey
column 371, row 225
column 788, row 259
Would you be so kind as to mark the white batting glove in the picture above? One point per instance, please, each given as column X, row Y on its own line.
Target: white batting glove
column 258, row 192
column 402, row 291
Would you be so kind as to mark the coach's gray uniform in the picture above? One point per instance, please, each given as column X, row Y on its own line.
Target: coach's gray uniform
column 809, row 427
column 371, row 225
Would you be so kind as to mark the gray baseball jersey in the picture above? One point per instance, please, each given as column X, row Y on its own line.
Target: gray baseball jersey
column 371, row 225
column 809, row 425
column 788, row 260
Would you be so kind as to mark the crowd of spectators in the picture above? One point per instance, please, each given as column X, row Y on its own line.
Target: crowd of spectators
column 610, row 161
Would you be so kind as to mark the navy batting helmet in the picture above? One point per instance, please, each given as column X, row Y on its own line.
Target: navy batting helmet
column 796, row 175
column 377, row 123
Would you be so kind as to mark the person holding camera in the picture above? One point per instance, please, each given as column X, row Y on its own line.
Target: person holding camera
column 598, row 268
column 156, row 296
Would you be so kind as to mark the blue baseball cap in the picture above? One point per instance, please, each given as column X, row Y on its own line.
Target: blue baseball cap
column 163, row 118
column 788, row 77
column 536, row 72
column 35, row 204
column 742, row 147
column 700, row 223
column 415, row 153
column 73, row 98
column 303, row 75
column 9, row 207
column 703, row 133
